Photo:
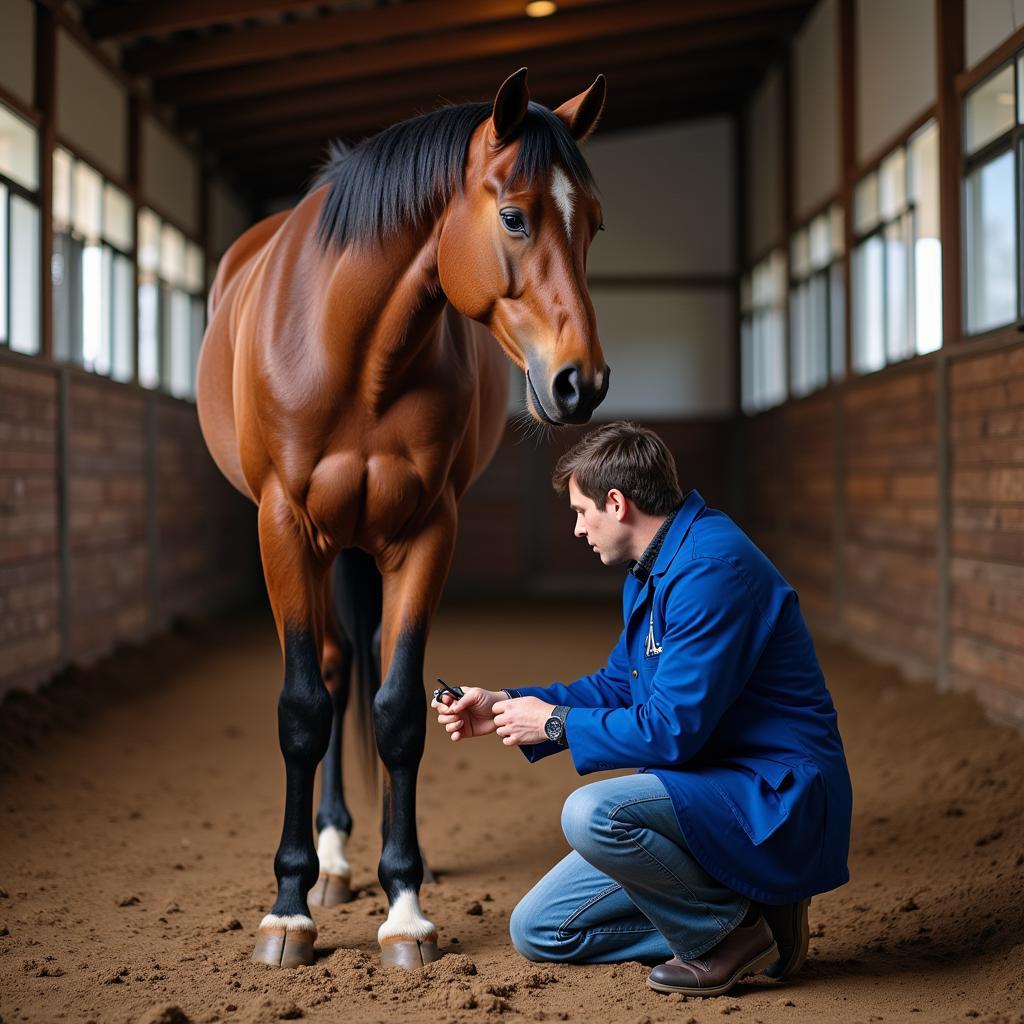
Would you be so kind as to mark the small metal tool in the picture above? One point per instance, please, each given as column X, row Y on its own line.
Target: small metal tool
column 455, row 691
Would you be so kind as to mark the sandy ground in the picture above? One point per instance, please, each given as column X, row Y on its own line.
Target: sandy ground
column 142, row 802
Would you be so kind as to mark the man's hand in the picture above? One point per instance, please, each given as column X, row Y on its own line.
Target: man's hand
column 520, row 720
column 470, row 715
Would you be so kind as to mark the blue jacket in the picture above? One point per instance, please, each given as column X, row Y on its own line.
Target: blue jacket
column 715, row 688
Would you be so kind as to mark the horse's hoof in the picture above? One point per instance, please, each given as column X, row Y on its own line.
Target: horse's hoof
column 409, row 953
column 330, row 890
column 285, row 941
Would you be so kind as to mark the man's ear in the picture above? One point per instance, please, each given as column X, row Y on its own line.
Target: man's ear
column 617, row 503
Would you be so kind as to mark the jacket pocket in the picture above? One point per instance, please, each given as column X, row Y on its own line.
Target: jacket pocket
column 755, row 791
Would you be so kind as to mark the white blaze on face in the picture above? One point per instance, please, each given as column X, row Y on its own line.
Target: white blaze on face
column 562, row 192
column 405, row 920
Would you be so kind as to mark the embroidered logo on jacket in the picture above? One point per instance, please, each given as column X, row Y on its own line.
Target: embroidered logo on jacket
column 651, row 648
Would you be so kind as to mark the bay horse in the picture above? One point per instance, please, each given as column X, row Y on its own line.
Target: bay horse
column 349, row 383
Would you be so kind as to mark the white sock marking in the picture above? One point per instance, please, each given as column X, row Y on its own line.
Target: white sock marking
column 293, row 922
column 406, row 920
column 562, row 192
column 330, row 849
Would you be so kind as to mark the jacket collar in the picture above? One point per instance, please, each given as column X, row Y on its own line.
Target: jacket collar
column 635, row 591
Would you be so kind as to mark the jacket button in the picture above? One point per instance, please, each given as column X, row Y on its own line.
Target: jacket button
column 635, row 673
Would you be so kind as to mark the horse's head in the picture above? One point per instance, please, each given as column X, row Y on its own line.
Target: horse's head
column 513, row 246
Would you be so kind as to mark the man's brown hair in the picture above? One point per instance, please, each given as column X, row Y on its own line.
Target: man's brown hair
column 625, row 456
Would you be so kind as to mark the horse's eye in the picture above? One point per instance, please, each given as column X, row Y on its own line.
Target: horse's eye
column 514, row 222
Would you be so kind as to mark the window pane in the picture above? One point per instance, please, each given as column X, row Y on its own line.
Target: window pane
column 65, row 273
column 837, row 229
column 892, row 184
column 24, row 272
column 117, row 218
column 121, row 318
column 817, row 318
column 19, row 154
column 747, row 366
column 897, row 290
column 62, row 163
column 775, row 358
column 179, row 336
column 3, row 263
column 820, row 243
column 95, row 351
column 988, row 109
column 865, row 204
column 149, row 342
column 991, row 246
column 798, row 338
column 149, row 241
column 198, row 327
column 799, row 254
column 194, row 268
column 1020, row 89
column 172, row 255
column 837, row 320
column 868, row 306
column 88, row 201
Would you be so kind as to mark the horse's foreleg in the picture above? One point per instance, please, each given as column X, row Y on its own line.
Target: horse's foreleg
column 412, row 588
column 304, row 713
column 333, row 820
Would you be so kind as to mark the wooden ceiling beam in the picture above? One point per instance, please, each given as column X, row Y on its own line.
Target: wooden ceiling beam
column 462, row 85
column 159, row 17
column 331, row 32
column 645, row 84
column 572, row 29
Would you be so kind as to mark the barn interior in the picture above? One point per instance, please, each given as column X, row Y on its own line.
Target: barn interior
column 810, row 284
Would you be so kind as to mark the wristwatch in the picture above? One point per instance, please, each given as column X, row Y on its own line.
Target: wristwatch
column 554, row 727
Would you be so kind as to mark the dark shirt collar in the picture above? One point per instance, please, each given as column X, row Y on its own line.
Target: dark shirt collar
column 641, row 569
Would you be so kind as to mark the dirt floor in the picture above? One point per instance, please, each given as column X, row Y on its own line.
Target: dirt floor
column 142, row 803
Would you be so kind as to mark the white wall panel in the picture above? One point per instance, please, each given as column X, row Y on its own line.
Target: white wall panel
column 170, row 175
column 816, row 109
column 895, row 68
column 987, row 23
column 667, row 195
column 763, row 125
column 229, row 217
column 17, row 48
column 92, row 108
column 671, row 352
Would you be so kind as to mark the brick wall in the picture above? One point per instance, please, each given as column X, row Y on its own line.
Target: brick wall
column 30, row 628
column 987, row 530
column 151, row 529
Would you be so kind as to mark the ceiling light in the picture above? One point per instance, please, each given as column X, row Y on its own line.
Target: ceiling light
column 540, row 8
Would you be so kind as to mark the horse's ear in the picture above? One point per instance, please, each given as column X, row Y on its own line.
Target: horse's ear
column 582, row 112
column 510, row 107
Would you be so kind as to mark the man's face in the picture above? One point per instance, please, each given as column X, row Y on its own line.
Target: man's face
column 601, row 528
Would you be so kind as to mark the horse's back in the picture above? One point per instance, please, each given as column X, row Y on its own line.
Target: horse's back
column 215, row 370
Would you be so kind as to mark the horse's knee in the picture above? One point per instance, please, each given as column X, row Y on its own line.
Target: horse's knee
column 304, row 709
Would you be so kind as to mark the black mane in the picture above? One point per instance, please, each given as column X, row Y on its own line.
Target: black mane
column 409, row 171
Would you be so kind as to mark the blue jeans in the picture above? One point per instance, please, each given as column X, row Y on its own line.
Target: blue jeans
column 629, row 890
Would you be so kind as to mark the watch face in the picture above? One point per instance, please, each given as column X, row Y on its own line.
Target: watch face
column 554, row 729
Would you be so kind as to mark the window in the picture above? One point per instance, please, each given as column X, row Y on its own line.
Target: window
column 993, row 111
column 897, row 267
column 92, row 269
column 172, row 309
column 763, row 334
column 19, row 234
column 816, row 304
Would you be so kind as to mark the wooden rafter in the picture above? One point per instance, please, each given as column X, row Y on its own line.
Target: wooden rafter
column 476, row 81
column 335, row 31
column 575, row 28
column 159, row 17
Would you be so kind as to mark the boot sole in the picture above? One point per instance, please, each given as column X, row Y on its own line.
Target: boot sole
column 780, row 970
column 755, row 966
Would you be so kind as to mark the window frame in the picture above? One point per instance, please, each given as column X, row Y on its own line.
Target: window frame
column 1010, row 141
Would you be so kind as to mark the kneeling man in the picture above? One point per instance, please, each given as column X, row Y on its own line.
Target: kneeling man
column 740, row 809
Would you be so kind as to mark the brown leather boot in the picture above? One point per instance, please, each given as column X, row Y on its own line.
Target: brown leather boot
column 791, row 932
column 743, row 951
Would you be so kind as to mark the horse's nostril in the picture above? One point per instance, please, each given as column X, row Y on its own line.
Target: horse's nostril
column 567, row 387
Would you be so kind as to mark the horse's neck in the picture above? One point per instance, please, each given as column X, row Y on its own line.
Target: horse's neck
column 392, row 312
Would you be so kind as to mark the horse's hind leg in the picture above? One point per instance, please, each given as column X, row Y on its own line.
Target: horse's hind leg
column 304, row 713
column 333, row 820
column 412, row 587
